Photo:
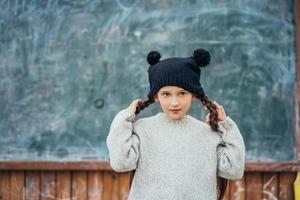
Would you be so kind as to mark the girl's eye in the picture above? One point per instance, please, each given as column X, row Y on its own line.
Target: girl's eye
column 167, row 94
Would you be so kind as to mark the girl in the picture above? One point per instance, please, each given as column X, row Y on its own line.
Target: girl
column 174, row 155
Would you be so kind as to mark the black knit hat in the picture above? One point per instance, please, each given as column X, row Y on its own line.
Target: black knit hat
column 177, row 71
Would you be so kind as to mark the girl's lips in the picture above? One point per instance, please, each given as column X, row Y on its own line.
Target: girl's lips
column 175, row 110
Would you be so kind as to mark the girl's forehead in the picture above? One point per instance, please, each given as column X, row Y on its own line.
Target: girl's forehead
column 171, row 89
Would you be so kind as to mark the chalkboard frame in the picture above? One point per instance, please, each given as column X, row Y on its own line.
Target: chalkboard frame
column 291, row 166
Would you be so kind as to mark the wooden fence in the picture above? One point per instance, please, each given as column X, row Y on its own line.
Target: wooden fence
column 96, row 181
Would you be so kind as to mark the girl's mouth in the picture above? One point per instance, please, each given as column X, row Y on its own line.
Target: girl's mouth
column 175, row 110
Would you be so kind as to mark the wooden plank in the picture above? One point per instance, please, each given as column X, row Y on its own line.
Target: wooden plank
column 63, row 185
column 237, row 189
column 48, row 185
column 270, row 186
column 272, row 166
column 115, row 186
column 107, row 185
column 32, row 185
column 79, row 185
column 105, row 166
column 95, row 185
column 4, row 185
column 254, row 186
column 286, row 181
column 54, row 165
column 124, row 185
column 17, row 185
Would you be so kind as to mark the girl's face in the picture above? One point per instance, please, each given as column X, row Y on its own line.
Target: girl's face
column 174, row 101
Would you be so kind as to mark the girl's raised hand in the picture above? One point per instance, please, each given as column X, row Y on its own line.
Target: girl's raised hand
column 134, row 104
column 221, row 113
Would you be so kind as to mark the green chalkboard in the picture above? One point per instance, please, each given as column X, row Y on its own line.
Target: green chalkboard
column 68, row 66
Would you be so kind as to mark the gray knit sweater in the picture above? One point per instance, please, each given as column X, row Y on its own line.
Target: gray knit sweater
column 174, row 159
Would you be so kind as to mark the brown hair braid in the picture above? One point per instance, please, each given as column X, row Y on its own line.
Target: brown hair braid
column 213, row 122
column 139, row 108
column 144, row 105
column 221, row 182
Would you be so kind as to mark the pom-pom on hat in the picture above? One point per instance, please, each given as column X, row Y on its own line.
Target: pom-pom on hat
column 183, row 72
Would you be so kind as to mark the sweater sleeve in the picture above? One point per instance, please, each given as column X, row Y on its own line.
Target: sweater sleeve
column 230, row 151
column 122, row 142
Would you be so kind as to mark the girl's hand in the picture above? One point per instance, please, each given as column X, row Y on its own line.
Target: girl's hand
column 221, row 113
column 134, row 104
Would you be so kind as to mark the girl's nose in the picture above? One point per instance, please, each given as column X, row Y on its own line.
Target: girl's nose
column 174, row 102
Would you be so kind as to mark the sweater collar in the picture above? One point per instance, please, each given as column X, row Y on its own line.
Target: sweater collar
column 166, row 118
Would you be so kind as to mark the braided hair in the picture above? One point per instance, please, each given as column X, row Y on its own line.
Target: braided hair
column 213, row 122
column 221, row 182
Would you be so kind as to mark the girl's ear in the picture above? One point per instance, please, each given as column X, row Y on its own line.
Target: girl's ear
column 156, row 98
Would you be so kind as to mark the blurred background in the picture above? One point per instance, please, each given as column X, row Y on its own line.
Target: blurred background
column 68, row 66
